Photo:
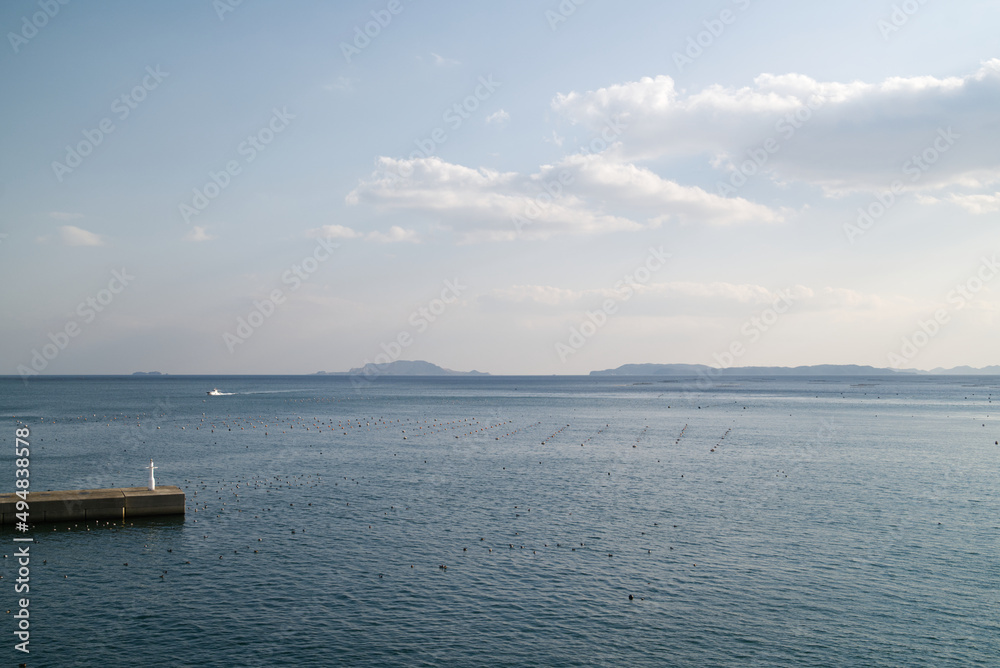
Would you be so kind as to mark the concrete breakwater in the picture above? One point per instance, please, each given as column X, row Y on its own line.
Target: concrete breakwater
column 95, row 504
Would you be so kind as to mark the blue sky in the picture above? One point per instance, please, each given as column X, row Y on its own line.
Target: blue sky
column 497, row 184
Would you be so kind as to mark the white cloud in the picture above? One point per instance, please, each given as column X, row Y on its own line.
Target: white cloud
column 75, row 236
column 638, row 188
column 977, row 204
column 480, row 204
column 441, row 61
column 580, row 195
column 198, row 233
column 396, row 234
column 332, row 232
column 932, row 134
column 546, row 295
column 498, row 117
column 847, row 137
column 843, row 298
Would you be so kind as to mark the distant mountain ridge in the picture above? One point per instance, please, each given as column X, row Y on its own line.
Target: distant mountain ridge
column 814, row 370
column 402, row 368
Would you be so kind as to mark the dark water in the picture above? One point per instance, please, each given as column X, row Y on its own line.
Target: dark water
column 792, row 522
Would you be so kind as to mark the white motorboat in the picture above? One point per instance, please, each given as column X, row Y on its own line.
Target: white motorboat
column 215, row 393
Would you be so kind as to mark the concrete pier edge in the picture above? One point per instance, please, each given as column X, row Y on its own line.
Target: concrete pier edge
column 95, row 504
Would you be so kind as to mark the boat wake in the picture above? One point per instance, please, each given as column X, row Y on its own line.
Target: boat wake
column 267, row 392
column 217, row 393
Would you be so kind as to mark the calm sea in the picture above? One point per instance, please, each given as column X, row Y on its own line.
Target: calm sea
column 786, row 522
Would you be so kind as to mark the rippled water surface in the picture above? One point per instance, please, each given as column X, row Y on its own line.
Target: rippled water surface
column 792, row 522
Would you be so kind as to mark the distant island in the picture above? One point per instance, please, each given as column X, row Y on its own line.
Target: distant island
column 815, row 370
column 148, row 373
column 964, row 371
column 401, row 368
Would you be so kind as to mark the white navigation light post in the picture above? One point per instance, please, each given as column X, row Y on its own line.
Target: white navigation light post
column 152, row 481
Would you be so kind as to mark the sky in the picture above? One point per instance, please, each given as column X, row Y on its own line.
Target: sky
column 526, row 187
